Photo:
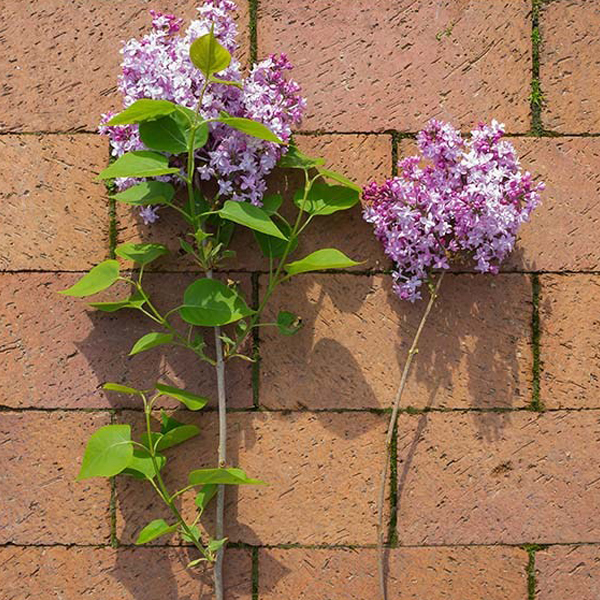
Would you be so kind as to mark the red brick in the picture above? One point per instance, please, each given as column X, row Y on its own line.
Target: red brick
column 563, row 231
column 321, row 468
column 413, row 574
column 125, row 573
column 62, row 74
column 41, row 503
column 568, row 572
column 57, row 353
column 362, row 158
column 498, row 478
column 55, row 215
column 368, row 66
column 570, row 341
column 474, row 352
column 569, row 64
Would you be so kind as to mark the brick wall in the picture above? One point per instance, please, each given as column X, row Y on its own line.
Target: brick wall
column 495, row 489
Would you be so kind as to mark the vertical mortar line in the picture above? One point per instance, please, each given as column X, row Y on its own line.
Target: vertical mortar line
column 531, row 550
column 114, row 541
column 253, row 16
column 256, row 344
column 255, row 573
column 393, row 503
column 395, row 152
column 536, row 97
column 112, row 211
column 536, row 401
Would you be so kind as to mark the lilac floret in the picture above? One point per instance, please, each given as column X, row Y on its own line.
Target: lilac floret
column 458, row 200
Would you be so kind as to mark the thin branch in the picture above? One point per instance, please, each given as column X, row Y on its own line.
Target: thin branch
column 390, row 434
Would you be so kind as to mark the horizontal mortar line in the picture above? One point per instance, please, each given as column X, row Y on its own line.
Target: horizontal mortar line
column 416, row 412
column 363, row 272
column 322, row 132
column 348, row 546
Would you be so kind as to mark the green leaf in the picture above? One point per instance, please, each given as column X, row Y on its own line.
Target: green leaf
column 176, row 436
column 252, row 128
column 151, row 340
column 230, row 476
column 208, row 302
column 324, row 199
column 154, row 530
column 141, row 465
column 194, row 538
column 167, row 134
column 141, row 163
column 134, row 302
column 191, row 401
column 142, row 254
column 215, row 545
column 272, row 203
column 201, row 136
column 147, row 192
column 208, row 55
column 288, row 323
column 143, row 110
column 294, row 159
column 275, row 247
column 340, row 179
column 99, row 278
column 321, row 260
column 250, row 216
column 237, row 84
column 122, row 389
column 205, row 495
column 109, row 451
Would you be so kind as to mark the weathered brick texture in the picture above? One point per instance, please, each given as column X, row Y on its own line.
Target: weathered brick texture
column 357, row 333
column 372, row 66
column 570, row 66
column 570, row 341
column 568, row 572
column 414, row 574
column 54, row 215
column 125, row 573
column 498, row 478
column 58, row 354
column 60, row 60
column 41, row 503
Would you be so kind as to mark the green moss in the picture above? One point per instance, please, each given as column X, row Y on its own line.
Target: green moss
column 253, row 11
column 536, row 403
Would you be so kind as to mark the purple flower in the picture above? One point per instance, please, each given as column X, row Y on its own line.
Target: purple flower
column 459, row 200
column 158, row 66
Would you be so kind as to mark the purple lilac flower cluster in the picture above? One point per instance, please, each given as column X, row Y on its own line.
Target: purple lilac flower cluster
column 158, row 66
column 458, row 200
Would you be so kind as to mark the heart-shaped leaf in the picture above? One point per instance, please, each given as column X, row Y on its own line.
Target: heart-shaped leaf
column 250, row 216
column 208, row 302
column 99, row 278
column 191, row 401
column 321, row 260
column 109, row 450
column 230, row 476
column 146, row 193
column 153, row 530
column 141, row 163
column 151, row 340
column 143, row 110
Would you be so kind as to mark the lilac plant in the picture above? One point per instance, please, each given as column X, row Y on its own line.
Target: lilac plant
column 458, row 201
column 198, row 138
